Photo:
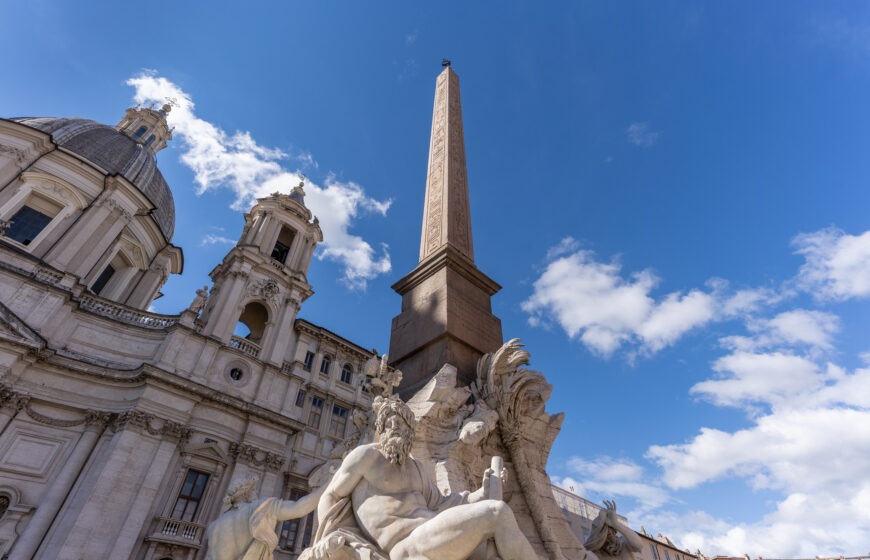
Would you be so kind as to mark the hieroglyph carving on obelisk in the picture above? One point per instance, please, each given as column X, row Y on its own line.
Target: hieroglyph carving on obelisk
column 446, row 217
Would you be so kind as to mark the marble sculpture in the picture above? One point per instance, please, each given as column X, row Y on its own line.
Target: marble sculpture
column 246, row 530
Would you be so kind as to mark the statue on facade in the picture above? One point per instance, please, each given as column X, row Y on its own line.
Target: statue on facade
column 199, row 301
column 246, row 530
column 382, row 504
column 610, row 538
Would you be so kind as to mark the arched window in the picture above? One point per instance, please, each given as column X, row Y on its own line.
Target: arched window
column 346, row 373
column 252, row 322
column 325, row 363
column 142, row 130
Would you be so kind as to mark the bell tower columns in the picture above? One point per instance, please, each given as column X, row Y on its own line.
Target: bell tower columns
column 262, row 282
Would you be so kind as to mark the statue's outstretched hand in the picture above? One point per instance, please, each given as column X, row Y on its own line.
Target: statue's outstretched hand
column 326, row 547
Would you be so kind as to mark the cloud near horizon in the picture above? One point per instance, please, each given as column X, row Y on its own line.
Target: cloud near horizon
column 237, row 162
column 806, row 438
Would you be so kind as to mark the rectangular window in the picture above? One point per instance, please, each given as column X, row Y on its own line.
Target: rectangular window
column 655, row 553
column 324, row 364
column 283, row 244
column 190, row 495
column 103, row 279
column 309, row 525
column 300, row 398
column 667, row 554
column 290, row 528
column 339, row 421
column 27, row 223
column 346, row 373
column 309, row 361
column 315, row 412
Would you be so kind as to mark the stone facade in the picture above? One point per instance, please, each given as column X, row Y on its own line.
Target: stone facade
column 120, row 429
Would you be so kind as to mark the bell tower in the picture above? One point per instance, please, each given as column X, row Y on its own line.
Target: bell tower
column 262, row 281
column 446, row 310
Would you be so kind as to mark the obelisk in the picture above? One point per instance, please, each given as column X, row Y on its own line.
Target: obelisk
column 446, row 311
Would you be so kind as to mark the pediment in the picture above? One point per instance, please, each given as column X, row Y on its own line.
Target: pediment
column 14, row 329
column 209, row 451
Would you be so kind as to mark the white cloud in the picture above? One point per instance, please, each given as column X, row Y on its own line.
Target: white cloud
column 610, row 478
column 807, row 438
column 236, row 161
column 798, row 326
column 837, row 264
column 813, row 446
column 212, row 239
column 566, row 245
column 595, row 303
column 640, row 134
column 758, row 378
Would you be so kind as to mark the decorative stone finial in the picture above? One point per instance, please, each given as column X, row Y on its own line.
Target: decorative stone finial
column 298, row 193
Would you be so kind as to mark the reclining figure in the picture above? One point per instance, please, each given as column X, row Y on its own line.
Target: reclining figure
column 382, row 505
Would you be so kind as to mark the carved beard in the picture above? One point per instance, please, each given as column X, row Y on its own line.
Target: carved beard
column 395, row 445
column 612, row 545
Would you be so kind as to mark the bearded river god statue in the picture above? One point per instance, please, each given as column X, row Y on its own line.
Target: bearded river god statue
column 382, row 505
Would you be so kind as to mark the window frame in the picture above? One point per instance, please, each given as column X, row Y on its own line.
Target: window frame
column 347, row 371
column 284, row 531
column 325, row 364
column 318, row 414
column 190, row 497
column 308, row 362
column 338, row 421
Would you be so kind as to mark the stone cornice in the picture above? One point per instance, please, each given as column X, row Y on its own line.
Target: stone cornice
column 340, row 342
column 447, row 257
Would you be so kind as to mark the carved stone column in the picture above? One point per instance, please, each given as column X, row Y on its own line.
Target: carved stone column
column 55, row 495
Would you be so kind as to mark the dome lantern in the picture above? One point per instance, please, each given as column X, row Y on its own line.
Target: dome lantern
column 147, row 126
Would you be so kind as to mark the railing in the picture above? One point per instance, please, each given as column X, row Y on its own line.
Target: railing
column 245, row 346
column 126, row 314
column 180, row 529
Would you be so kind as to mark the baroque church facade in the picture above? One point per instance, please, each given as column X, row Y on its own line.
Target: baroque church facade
column 120, row 429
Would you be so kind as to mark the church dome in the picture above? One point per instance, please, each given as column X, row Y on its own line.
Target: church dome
column 115, row 153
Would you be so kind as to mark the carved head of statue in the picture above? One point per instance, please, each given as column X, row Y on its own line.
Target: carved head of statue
column 394, row 428
column 242, row 491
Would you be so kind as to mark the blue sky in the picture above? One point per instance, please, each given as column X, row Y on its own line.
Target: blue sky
column 674, row 198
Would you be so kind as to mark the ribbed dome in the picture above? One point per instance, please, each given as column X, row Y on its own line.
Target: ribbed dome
column 116, row 153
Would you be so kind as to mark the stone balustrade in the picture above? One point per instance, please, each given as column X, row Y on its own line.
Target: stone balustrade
column 184, row 530
column 126, row 314
column 245, row 346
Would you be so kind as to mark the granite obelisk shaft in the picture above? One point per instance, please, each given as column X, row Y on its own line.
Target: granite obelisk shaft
column 446, row 310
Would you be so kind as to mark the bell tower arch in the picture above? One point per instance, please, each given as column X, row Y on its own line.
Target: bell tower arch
column 262, row 281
